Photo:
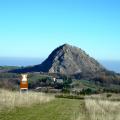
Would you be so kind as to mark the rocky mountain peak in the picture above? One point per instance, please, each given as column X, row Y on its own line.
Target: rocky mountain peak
column 67, row 59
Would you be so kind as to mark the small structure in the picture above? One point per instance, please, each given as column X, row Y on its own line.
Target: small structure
column 59, row 80
column 54, row 79
column 24, row 83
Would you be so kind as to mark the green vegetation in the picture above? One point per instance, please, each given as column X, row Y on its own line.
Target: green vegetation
column 9, row 81
column 6, row 68
column 39, row 106
column 38, row 80
column 85, row 87
column 70, row 96
column 58, row 109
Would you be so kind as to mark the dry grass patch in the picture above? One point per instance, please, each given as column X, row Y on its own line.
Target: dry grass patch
column 10, row 99
column 103, row 109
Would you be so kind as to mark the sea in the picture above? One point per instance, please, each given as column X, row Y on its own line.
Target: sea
column 12, row 61
column 113, row 65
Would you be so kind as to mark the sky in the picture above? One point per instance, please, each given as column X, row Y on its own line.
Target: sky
column 33, row 28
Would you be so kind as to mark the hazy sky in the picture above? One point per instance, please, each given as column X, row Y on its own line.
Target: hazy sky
column 33, row 28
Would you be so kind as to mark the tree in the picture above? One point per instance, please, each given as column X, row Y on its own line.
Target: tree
column 66, row 82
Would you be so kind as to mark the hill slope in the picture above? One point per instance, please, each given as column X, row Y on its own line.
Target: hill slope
column 72, row 61
column 67, row 59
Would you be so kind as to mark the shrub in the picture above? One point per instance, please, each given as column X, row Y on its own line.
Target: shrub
column 108, row 95
column 69, row 96
column 88, row 91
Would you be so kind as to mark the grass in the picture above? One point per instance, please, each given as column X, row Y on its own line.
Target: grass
column 58, row 109
column 69, row 96
column 10, row 100
column 100, row 108
column 39, row 106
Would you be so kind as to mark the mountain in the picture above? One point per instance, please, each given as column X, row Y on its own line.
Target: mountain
column 68, row 60
column 71, row 61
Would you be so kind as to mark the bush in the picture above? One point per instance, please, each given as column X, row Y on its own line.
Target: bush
column 108, row 95
column 69, row 96
column 88, row 91
column 65, row 90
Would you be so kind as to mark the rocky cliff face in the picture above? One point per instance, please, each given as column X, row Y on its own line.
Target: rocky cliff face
column 68, row 59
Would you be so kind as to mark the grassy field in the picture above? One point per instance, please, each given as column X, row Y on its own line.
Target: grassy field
column 58, row 109
column 103, row 106
column 10, row 100
column 39, row 106
column 103, row 109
